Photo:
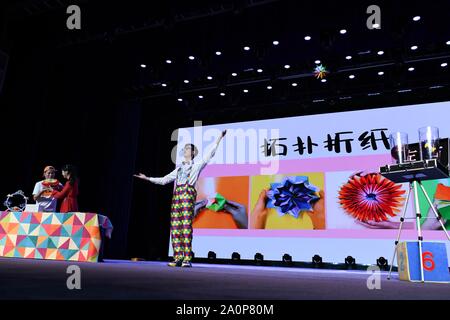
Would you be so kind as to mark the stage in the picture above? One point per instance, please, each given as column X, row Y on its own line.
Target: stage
column 114, row 279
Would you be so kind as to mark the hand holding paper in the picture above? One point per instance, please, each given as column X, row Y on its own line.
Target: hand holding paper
column 260, row 211
column 238, row 213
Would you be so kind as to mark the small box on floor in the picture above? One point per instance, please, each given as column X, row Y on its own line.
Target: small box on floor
column 435, row 263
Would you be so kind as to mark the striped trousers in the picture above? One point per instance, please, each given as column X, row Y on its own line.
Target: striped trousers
column 182, row 212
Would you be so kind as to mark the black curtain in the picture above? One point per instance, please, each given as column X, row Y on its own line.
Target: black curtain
column 64, row 106
column 150, row 216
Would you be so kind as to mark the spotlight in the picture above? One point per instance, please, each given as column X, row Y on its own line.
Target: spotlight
column 317, row 62
column 211, row 255
column 200, row 97
column 209, row 77
column 179, row 99
column 448, row 43
column 323, row 80
column 286, row 66
column 414, row 48
column 348, row 57
column 343, row 31
column 352, row 76
column 259, row 258
column 218, row 53
column 294, row 84
column 411, row 69
column 275, row 43
column 186, row 81
column 350, row 261
column 317, row 260
column 191, row 57
column 222, row 94
column 307, row 38
column 269, row 87
column 380, row 73
column 246, row 48
column 416, row 18
column 164, row 84
column 259, row 70
column 382, row 263
column 380, row 53
column 234, row 74
column 245, row 90
column 287, row 258
column 443, row 65
column 143, row 66
column 168, row 61
column 235, row 256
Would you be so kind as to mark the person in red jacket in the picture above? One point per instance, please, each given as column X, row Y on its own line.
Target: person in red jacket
column 69, row 193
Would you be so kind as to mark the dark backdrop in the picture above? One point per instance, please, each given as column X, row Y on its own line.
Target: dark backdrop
column 65, row 105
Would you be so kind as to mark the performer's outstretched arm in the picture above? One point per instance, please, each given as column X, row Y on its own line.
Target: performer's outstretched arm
column 164, row 180
column 63, row 193
column 208, row 156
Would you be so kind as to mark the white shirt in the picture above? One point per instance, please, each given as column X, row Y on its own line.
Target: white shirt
column 45, row 203
column 188, row 172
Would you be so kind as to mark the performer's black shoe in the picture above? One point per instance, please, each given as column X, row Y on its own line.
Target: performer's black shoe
column 186, row 264
column 175, row 263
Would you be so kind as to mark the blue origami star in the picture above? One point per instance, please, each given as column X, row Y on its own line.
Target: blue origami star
column 292, row 195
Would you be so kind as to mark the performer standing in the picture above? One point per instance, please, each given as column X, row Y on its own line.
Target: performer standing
column 42, row 193
column 69, row 193
column 183, row 201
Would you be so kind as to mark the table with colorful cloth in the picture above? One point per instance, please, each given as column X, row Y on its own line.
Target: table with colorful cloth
column 73, row 236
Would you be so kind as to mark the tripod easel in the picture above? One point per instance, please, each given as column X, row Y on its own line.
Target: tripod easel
column 413, row 185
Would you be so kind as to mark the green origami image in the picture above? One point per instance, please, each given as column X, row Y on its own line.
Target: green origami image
column 217, row 203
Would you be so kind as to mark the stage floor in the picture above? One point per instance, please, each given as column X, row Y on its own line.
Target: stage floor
column 39, row 279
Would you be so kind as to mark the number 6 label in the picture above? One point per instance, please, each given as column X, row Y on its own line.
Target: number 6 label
column 428, row 261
